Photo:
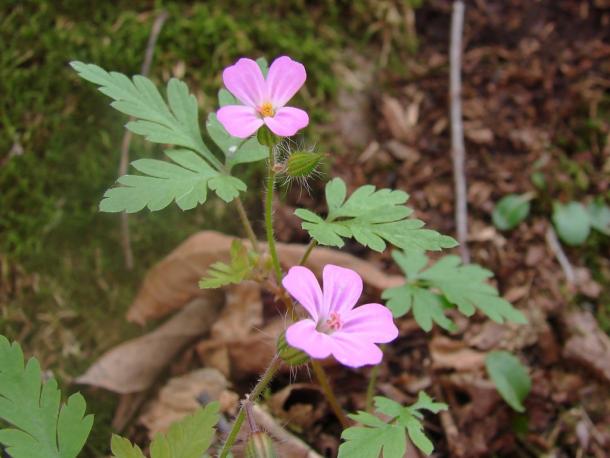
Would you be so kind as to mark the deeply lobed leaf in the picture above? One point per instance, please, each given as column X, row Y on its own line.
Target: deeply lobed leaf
column 372, row 217
column 40, row 426
column 388, row 437
column 429, row 292
column 240, row 267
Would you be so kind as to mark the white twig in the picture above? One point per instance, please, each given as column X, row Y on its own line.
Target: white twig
column 555, row 247
column 458, row 152
column 124, row 161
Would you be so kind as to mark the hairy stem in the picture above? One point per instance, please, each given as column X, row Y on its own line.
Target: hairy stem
column 269, row 217
column 245, row 221
column 329, row 393
column 370, row 389
column 275, row 364
column 310, row 248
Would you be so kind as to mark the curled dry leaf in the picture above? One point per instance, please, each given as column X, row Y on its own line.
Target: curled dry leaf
column 134, row 365
column 285, row 443
column 299, row 404
column 452, row 354
column 183, row 395
column 172, row 282
column 587, row 345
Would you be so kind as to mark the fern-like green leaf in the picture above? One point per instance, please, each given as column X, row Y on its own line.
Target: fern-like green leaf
column 447, row 283
column 40, row 426
column 372, row 217
column 175, row 122
column 388, row 438
column 240, row 267
column 187, row 438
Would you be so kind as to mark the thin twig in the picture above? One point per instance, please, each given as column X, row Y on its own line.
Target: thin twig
column 124, row 161
column 555, row 247
column 329, row 393
column 458, row 151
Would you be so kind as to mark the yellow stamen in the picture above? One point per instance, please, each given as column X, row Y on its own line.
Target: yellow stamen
column 266, row 109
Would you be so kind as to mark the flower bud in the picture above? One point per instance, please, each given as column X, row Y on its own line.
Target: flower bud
column 267, row 138
column 302, row 164
column 290, row 355
column 259, row 445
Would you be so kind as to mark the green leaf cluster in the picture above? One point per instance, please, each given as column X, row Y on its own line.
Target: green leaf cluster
column 388, row 437
column 40, row 425
column 429, row 292
column 240, row 267
column 194, row 168
column 187, row 438
column 372, row 217
column 510, row 377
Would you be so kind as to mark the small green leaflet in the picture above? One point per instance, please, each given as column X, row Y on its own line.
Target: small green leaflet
column 388, row 438
column 510, row 377
column 572, row 222
column 429, row 292
column 240, row 267
column 373, row 217
column 187, row 438
column 599, row 214
column 174, row 123
column 40, row 426
column 510, row 211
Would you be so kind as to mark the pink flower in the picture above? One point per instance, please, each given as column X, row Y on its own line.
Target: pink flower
column 263, row 99
column 335, row 327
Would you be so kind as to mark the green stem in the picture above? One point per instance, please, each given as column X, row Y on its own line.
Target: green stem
column 275, row 364
column 269, row 218
column 329, row 393
column 243, row 216
column 370, row 390
column 308, row 251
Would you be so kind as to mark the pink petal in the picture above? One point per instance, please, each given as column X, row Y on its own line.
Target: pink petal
column 245, row 81
column 342, row 288
column 302, row 284
column 287, row 121
column 370, row 322
column 284, row 79
column 303, row 335
column 239, row 120
column 353, row 352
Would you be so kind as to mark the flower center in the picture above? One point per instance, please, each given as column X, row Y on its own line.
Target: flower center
column 266, row 109
column 331, row 324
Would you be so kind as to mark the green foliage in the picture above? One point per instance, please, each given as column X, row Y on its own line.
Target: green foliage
column 187, row 438
column 176, row 123
column 599, row 216
column 510, row 377
column 240, row 267
column 510, row 211
column 40, row 426
column 372, row 217
column 389, row 437
column 430, row 291
column 572, row 222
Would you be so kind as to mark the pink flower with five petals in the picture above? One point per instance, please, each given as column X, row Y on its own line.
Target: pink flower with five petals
column 335, row 327
column 263, row 99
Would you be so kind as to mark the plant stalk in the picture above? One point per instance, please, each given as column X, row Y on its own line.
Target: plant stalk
column 275, row 364
column 370, row 389
column 329, row 394
column 245, row 221
column 269, row 218
column 308, row 251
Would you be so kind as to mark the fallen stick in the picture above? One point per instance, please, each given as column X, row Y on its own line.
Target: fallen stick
column 555, row 247
column 458, row 152
column 124, row 161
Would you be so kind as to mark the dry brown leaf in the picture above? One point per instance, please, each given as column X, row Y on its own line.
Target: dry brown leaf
column 300, row 404
column 452, row 354
column 183, row 395
column 286, row 445
column 134, row 365
column 588, row 344
column 172, row 282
